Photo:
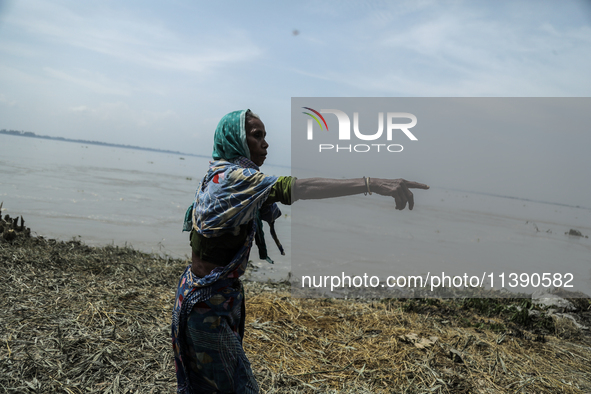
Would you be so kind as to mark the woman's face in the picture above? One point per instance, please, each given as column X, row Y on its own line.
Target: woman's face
column 255, row 138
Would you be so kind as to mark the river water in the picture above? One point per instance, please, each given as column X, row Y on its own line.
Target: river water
column 108, row 195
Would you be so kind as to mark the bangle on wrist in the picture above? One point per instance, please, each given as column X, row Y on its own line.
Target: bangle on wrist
column 366, row 180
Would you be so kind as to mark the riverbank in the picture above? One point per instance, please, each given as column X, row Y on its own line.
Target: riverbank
column 81, row 319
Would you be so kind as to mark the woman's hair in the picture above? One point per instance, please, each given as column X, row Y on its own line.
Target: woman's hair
column 250, row 115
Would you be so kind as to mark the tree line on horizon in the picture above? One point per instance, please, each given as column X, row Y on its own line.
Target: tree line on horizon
column 31, row 134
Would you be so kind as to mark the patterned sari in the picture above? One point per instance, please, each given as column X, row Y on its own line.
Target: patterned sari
column 208, row 315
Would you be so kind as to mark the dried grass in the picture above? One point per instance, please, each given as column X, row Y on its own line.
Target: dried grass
column 334, row 345
column 79, row 319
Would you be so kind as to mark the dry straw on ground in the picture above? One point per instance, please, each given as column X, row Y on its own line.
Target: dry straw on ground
column 385, row 346
column 78, row 319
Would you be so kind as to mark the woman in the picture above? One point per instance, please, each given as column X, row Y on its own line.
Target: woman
column 231, row 201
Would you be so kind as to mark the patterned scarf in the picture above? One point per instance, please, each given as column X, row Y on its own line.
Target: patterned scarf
column 231, row 194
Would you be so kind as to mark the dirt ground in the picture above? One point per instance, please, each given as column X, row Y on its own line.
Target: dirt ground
column 80, row 319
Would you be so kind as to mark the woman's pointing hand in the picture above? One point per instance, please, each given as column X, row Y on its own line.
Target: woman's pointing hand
column 397, row 188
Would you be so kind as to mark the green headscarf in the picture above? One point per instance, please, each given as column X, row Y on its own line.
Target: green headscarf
column 229, row 141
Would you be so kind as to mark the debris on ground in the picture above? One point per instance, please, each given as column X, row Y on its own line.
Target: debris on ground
column 81, row 319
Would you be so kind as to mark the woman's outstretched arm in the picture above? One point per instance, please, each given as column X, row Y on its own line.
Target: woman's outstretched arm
column 317, row 188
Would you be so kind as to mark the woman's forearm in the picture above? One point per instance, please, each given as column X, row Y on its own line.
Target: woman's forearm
column 318, row 188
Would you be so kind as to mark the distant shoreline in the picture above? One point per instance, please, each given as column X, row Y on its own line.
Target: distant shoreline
column 30, row 134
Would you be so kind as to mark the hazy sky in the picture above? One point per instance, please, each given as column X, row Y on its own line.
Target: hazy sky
column 161, row 74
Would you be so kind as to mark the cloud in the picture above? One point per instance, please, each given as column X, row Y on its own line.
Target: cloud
column 6, row 101
column 80, row 108
column 17, row 49
column 459, row 50
column 94, row 82
column 147, row 43
column 121, row 114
